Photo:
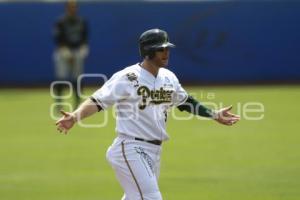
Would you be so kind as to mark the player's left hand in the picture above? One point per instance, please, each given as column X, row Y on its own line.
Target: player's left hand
column 225, row 117
column 84, row 51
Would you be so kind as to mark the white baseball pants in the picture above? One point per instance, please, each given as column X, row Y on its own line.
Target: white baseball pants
column 137, row 166
column 67, row 70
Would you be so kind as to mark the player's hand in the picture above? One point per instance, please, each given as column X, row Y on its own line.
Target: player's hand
column 66, row 122
column 65, row 53
column 225, row 117
column 84, row 51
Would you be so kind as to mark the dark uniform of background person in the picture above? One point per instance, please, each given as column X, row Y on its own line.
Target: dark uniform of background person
column 71, row 39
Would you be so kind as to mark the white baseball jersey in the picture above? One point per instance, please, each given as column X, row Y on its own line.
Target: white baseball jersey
column 142, row 100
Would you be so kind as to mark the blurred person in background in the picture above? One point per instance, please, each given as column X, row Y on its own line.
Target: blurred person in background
column 71, row 39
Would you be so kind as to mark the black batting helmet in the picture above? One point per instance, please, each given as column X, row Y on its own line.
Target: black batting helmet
column 152, row 40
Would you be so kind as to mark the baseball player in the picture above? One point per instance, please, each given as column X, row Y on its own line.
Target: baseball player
column 70, row 36
column 143, row 93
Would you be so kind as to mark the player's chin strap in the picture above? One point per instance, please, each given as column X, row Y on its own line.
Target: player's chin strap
column 191, row 105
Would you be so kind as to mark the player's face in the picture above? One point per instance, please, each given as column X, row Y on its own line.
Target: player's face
column 161, row 57
column 71, row 8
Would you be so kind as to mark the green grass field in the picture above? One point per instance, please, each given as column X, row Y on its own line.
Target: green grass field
column 254, row 160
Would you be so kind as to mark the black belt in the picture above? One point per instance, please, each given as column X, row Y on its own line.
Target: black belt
column 156, row 142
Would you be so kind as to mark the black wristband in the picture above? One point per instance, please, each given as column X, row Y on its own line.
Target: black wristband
column 191, row 105
column 97, row 104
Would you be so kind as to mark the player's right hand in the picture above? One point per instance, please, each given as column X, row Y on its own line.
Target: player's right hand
column 66, row 122
column 65, row 53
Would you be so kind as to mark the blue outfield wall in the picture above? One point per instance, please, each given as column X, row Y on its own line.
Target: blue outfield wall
column 217, row 42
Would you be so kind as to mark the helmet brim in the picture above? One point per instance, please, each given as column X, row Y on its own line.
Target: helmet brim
column 163, row 45
column 167, row 44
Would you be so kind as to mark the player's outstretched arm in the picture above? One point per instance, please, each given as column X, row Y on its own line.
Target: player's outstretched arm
column 223, row 116
column 67, row 121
